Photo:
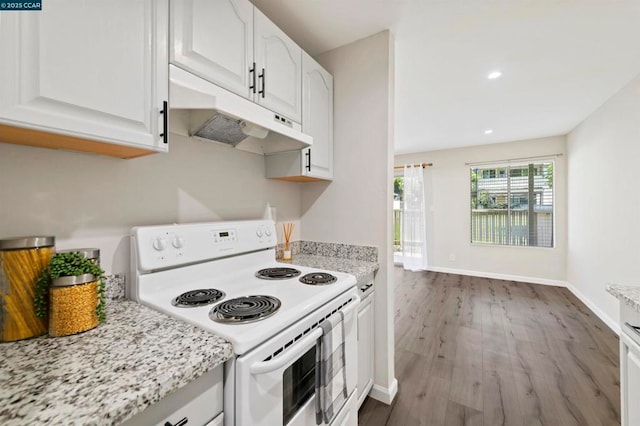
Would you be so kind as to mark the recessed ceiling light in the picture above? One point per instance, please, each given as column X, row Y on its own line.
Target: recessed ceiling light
column 488, row 131
column 494, row 75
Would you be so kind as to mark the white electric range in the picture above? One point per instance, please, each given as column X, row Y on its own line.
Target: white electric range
column 223, row 277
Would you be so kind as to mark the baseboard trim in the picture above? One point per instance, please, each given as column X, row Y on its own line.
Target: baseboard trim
column 613, row 325
column 384, row 395
column 520, row 278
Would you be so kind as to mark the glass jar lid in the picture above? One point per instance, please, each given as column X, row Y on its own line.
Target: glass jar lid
column 22, row 243
column 75, row 280
column 87, row 253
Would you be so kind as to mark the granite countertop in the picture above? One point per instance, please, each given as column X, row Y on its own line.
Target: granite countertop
column 629, row 295
column 106, row 375
column 359, row 268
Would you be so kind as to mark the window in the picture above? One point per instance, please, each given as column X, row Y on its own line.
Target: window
column 398, row 197
column 512, row 205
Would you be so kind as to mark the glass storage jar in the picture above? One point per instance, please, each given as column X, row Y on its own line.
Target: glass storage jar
column 72, row 305
column 21, row 262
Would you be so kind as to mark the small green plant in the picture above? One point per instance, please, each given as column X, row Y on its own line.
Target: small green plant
column 67, row 265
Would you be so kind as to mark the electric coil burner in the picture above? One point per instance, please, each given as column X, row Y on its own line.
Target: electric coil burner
column 277, row 273
column 200, row 297
column 318, row 278
column 245, row 309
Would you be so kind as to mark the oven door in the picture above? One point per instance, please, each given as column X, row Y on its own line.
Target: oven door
column 275, row 383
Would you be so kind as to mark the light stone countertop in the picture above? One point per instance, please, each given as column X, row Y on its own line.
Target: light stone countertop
column 359, row 268
column 106, row 375
column 629, row 295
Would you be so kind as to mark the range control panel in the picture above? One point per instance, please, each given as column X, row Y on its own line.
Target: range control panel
column 227, row 236
column 157, row 247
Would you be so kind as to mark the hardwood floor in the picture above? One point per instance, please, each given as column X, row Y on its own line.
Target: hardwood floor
column 476, row 351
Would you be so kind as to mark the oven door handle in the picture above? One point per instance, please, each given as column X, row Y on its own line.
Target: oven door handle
column 288, row 356
column 292, row 352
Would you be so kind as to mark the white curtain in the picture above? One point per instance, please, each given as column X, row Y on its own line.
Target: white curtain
column 414, row 228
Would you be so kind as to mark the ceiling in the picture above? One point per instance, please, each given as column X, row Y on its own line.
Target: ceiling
column 560, row 60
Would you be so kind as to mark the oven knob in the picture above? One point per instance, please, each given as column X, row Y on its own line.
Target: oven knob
column 259, row 233
column 268, row 232
column 178, row 242
column 160, row 244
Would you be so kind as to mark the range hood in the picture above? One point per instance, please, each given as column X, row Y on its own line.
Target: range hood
column 203, row 110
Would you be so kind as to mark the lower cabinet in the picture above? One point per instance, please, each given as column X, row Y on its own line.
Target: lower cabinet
column 365, row 348
column 629, row 365
column 348, row 415
column 199, row 402
column 218, row 421
column 629, row 380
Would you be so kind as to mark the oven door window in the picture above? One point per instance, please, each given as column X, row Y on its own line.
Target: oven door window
column 298, row 384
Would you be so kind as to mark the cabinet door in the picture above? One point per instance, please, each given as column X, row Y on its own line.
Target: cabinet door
column 348, row 416
column 94, row 70
column 279, row 68
column 630, row 381
column 218, row 421
column 214, row 39
column 365, row 348
column 317, row 118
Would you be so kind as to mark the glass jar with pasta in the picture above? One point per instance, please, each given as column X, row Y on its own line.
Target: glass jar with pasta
column 21, row 261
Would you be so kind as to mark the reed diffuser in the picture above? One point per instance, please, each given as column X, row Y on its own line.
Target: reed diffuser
column 287, row 229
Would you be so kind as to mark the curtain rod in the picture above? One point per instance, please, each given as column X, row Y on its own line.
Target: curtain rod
column 509, row 160
column 423, row 165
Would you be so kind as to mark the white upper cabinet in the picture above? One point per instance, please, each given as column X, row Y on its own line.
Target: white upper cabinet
column 214, row 40
column 314, row 163
column 86, row 75
column 235, row 46
column 278, row 67
column 317, row 118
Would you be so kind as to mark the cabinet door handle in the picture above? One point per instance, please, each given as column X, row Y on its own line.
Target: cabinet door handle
column 252, row 71
column 308, row 155
column 633, row 328
column 165, row 115
column 180, row 422
column 264, row 82
column 366, row 287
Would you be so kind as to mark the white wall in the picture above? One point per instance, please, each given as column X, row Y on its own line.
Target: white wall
column 604, row 200
column 448, row 214
column 87, row 200
column 356, row 207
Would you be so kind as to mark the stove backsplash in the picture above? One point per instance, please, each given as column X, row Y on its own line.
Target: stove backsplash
column 114, row 287
column 343, row 251
column 115, row 284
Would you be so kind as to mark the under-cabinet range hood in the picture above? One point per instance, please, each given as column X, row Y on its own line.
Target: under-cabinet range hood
column 203, row 110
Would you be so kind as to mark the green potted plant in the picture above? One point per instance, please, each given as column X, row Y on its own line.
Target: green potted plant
column 70, row 291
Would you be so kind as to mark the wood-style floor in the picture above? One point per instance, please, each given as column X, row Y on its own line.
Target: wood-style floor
column 476, row 351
